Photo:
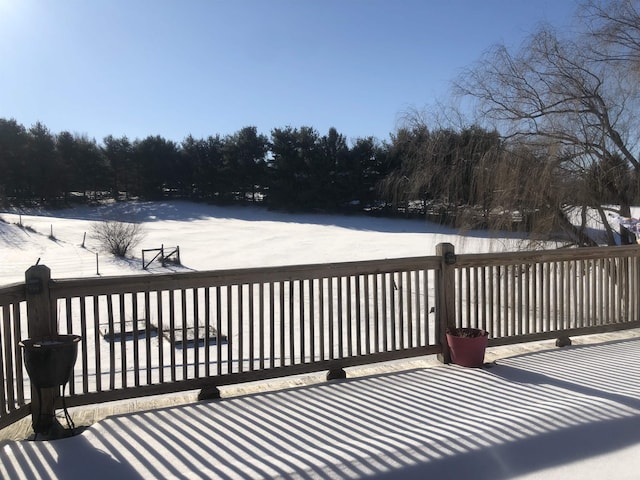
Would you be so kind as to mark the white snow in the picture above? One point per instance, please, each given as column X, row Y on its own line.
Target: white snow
column 555, row 414
column 212, row 238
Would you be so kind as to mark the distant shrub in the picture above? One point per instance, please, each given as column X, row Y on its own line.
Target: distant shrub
column 118, row 238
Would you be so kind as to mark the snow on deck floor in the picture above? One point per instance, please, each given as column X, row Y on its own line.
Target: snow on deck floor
column 553, row 414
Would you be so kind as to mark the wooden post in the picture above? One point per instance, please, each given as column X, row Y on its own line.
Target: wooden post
column 41, row 325
column 445, row 297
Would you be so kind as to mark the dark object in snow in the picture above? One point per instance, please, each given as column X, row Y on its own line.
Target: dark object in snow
column 193, row 336
column 132, row 330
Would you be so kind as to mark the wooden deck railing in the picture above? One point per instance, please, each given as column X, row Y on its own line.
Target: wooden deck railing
column 152, row 334
column 547, row 294
column 13, row 328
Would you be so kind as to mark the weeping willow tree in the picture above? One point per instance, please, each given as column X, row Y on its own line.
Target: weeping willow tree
column 474, row 178
column 443, row 171
column 571, row 102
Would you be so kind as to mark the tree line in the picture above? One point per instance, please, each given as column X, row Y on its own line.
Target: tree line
column 295, row 169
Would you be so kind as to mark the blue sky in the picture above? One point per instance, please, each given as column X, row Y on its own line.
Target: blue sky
column 202, row 67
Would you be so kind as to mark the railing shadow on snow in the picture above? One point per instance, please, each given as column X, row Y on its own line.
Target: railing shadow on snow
column 444, row 421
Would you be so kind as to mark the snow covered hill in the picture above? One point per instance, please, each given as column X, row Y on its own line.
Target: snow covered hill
column 212, row 237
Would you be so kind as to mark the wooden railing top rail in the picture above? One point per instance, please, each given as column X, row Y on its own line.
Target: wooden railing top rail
column 541, row 256
column 212, row 278
column 12, row 293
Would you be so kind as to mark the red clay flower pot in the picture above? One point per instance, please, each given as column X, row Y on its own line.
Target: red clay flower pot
column 467, row 346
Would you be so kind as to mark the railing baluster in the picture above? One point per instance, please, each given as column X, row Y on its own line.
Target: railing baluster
column 207, row 332
column 490, row 299
column 196, row 332
column 349, row 320
column 484, row 301
column 240, row 325
column 289, row 309
column 331, row 318
column 218, row 331
column 573, row 298
column 123, row 338
column 172, row 334
column 423, row 307
column 282, row 323
column 228, row 316
column 161, row 339
column 112, row 342
column 584, row 292
column 84, row 346
column 526, row 291
column 605, row 291
column 562, row 287
column 621, row 291
column 357, row 303
column 251, row 326
column 136, row 348
column 312, row 320
column 385, row 313
column 301, row 320
column 272, row 327
column 340, row 318
column 17, row 335
column 273, row 322
column 367, row 314
column 467, row 319
column 516, row 300
column 147, row 336
column 184, row 328
column 6, row 365
column 411, row 298
column 322, row 324
column 393, row 289
column 401, row 318
column 633, row 289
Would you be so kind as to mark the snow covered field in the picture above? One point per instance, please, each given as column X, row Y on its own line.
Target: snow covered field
column 213, row 238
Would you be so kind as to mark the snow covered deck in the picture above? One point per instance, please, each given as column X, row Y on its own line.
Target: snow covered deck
column 554, row 413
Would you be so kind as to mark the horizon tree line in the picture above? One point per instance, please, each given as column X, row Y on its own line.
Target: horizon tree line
column 295, row 169
column 470, row 178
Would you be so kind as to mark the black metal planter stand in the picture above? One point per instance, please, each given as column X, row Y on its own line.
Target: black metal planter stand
column 49, row 364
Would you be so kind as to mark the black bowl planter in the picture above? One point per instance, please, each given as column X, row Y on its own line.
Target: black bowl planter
column 467, row 346
column 50, row 362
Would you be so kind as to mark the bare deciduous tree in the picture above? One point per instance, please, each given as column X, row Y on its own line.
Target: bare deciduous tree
column 576, row 106
column 615, row 27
